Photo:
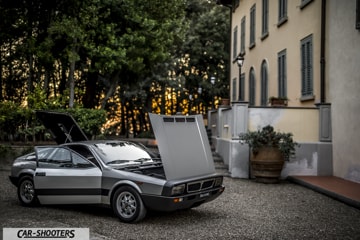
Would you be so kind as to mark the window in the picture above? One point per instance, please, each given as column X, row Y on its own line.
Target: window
column 252, row 26
column 282, row 12
column 235, row 4
column 85, row 152
column 265, row 19
column 252, row 87
column 306, row 67
column 264, row 83
column 235, row 34
column 241, row 87
column 242, row 36
column 234, row 89
column 282, row 73
column 59, row 157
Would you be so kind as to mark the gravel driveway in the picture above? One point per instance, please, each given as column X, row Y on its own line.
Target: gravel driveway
column 246, row 210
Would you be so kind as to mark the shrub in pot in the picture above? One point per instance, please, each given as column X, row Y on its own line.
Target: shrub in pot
column 269, row 150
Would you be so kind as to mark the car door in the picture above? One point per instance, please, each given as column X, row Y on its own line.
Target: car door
column 63, row 176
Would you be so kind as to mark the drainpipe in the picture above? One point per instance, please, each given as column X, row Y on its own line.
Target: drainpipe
column 325, row 131
column 322, row 53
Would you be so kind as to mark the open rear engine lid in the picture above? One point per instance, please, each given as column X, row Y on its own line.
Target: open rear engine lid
column 62, row 126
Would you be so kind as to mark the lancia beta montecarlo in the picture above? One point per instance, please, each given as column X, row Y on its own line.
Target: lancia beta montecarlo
column 124, row 175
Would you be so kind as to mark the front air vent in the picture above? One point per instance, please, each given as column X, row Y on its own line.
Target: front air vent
column 179, row 119
column 200, row 185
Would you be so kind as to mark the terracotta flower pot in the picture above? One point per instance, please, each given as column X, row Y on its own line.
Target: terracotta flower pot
column 278, row 102
column 225, row 102
column 267, row 164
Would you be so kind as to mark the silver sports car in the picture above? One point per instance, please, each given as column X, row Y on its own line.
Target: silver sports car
column 122, row 174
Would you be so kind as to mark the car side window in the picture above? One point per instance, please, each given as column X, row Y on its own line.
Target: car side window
column 80, row 162
column 84, row 152
column 59, row 157
column 52, row 157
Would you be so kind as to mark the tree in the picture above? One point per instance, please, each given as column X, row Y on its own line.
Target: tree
column 206, row 50
column 117, row 55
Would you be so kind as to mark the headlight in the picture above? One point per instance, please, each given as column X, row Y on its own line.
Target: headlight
column 179, row 189
column 218, row 181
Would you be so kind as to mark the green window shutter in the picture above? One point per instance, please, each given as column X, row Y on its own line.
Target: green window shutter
column 242, row 86
column 252, row 25
column 264, row 83
column 265, row 17
column 234, row 89
column 242, row 37
column 282, row 74
column 252, row 86
column 235, row 34
column 307, row 67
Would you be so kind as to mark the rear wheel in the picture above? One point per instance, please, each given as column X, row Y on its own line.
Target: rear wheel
column 127, row 205
column 26, row 191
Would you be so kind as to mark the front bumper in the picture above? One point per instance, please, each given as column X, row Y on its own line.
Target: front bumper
column 167, row 204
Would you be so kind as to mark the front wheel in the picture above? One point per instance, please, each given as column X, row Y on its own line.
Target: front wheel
column 26, row 191
column 127, row 205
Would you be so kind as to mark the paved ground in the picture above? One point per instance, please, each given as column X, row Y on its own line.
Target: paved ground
column 246, row 210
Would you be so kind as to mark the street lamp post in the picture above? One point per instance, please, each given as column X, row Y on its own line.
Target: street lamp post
column 240, row 61
column 199, row 90
column 190, row 103
column 212, row 81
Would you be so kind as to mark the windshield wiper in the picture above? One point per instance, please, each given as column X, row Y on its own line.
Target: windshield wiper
column 117, row 162
column 140, row 160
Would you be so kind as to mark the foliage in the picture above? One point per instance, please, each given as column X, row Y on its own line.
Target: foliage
column 111, row 55
column 19, row 123
column 272, row 98
column 5, row 149
column 267, row 137
column 89, row 120
column 206, row 49
column 12, row 118
column 147, row 134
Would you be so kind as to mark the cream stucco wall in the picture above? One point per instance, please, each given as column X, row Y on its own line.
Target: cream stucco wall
column 301, row 23
column 302, row 123
column 343, row 54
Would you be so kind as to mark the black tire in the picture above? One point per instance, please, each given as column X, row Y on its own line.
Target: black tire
column 128, row 205
column 26, row 192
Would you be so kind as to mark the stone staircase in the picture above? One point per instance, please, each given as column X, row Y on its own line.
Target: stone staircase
column 220, row 167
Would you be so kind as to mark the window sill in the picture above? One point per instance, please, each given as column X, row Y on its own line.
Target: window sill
column 282, row 21
column 265, row 35
column 307, row 98
column 305, row 3
column 252, row 45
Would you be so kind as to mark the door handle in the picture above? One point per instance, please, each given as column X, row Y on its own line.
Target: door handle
column 40, row 174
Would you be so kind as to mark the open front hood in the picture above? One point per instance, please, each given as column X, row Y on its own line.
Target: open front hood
column 183, row 145
column 62, row 126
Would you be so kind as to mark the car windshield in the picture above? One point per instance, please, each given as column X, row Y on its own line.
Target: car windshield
column 122, row 153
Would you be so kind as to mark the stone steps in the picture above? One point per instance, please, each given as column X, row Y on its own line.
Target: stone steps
column 220, row 167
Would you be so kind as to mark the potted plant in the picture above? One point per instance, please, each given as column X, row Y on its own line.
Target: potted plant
column 278, row 101
column 269, row 150
column 225, row 102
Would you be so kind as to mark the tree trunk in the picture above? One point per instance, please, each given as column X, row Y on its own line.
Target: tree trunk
column 113, row 84
column 71, row 84
column 89, row 99
column 71, row 74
